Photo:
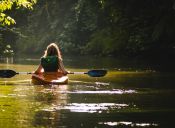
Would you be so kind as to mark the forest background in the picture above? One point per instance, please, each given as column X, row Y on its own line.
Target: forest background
column 119, row 28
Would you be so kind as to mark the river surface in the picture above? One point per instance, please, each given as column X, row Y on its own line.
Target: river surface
column 134, row 94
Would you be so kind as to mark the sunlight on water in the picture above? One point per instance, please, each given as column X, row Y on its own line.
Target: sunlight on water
column 120, row 99
column 3, row 96
column 123, row 123
column 12, row 95
column 15, row 82
column 145, row 124
column 115, row 91
column 88, row 107
column 85, row 82
column 102, row 83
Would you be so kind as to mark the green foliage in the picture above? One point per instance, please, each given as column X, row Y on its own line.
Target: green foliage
column 101, row 42
column 8, row 4
column 6, row 20
column 101, row 27
column 8, row 51
column 7, row 33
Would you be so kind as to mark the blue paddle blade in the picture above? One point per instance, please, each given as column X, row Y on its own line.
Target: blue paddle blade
column 97, row 73
column 7, row 73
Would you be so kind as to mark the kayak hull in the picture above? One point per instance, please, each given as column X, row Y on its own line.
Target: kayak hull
column 49, row 78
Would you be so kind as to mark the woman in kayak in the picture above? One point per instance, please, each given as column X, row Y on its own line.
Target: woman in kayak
column 51, row 61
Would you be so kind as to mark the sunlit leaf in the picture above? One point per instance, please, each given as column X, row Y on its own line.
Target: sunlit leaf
column 7, row 5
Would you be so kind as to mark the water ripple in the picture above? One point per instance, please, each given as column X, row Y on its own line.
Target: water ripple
column 124, row 123
column 115, row 91
column 87, row 107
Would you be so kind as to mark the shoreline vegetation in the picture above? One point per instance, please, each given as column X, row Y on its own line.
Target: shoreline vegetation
column 103, row 62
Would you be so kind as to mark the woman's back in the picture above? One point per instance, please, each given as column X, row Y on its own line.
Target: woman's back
column 51, row 60
column 50, row 63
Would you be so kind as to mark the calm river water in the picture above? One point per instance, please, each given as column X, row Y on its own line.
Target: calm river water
column 134, row 94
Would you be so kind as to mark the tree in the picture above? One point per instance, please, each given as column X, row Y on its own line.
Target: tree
column 6, row 5
column 7, row 30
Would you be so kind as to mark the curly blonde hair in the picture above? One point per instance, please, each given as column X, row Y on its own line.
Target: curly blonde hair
column 53, row 50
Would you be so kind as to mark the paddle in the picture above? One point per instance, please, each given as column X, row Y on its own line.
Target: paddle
column 93, row 73
column 7, row 73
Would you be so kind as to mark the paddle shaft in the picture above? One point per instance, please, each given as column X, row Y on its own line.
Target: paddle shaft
column 25, row 73
column 93, row 73
column 77, row 73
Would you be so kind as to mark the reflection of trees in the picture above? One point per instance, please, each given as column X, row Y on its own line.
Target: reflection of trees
column 48, row 97
column 7, row 60
column 15, row 106
column 46, row 119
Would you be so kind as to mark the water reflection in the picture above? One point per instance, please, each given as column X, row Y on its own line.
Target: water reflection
column 48, row 96
column 52, row 94
column 7, row 60
column 87, row 107
column 114, row 91
column 125, row 123
column 120, row 99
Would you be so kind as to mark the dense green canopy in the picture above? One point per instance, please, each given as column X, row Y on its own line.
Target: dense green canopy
column 7, row 8
column 97, row 27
